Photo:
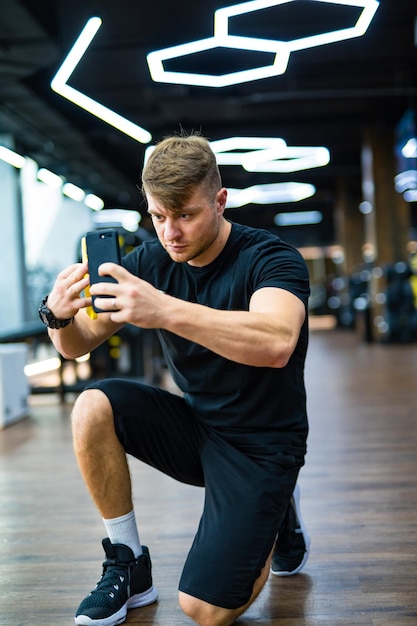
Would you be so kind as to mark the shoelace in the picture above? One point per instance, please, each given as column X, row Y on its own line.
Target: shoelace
column 111, row 581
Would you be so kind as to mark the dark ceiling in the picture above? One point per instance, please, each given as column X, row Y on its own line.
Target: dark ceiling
column 327, row 97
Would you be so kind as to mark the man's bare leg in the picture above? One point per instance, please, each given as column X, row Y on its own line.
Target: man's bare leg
column 100, row 455
column 103, row 464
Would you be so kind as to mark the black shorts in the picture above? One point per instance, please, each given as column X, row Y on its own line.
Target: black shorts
column 248, row 487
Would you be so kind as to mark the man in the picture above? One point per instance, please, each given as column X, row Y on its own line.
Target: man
column 230, row 306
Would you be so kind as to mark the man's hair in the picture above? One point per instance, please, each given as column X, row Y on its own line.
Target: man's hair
column 177, row 166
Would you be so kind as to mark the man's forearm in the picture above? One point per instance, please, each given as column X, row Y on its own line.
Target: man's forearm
column 70, row 341
column 82, row 336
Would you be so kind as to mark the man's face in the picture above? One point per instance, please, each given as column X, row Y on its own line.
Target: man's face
column 192, row 234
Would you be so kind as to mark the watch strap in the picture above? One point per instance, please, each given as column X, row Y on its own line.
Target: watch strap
column 49, row 319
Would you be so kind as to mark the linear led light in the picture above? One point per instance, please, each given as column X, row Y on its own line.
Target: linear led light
column 49, row 178
column 409, row 151
column 93, row 202
column 42, row 367
column 280, row 49
column 298, row 218
column 73, row 192
column 60, row 86
column 291, row 159
column 406, row 180
column 269, row 194
column 148, row 152
column 129, row 220
column 366, row 207
column 68, row 189
column 11, row 157
column 410, row 195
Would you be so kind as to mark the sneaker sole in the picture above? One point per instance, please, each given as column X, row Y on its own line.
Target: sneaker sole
column 112, row 620
column 134, row 602
column 142, row 599
column 306, row 537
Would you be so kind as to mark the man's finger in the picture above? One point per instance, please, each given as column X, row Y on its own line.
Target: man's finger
column 76, row 268
column 113, row 269
column 104, row 289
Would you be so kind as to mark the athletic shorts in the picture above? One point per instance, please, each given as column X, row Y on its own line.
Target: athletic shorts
column 247, row 487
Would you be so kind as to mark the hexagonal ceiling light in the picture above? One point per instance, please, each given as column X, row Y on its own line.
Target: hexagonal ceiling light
column 233, row 150
column 292, row 159
column 280, row 49
column 270, row 193
column 268, row 154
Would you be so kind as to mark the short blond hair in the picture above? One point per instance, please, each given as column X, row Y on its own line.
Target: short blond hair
column 177, row 166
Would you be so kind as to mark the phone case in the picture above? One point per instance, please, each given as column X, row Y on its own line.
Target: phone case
column 101, row 246
column 90, row 311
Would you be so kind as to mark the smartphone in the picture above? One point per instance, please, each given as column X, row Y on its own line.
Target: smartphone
column 102, row 246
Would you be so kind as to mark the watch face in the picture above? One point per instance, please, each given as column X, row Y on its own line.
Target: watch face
column 43, row 316
column 46, row 316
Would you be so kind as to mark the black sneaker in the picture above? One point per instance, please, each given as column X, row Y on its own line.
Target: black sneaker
column 293, row 543
column 126, row 583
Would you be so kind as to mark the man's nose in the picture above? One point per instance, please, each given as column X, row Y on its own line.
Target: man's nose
column 172, row 230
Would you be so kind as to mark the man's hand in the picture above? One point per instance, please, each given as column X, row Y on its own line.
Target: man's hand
column 133, row 301
column 65, row 299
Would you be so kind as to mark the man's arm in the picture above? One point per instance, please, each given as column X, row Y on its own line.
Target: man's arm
column 264, row 336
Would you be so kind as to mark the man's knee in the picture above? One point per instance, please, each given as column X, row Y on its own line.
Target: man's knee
column 206, row 614
column 92, row 411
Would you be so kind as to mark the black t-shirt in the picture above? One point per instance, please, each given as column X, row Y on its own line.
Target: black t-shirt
column 269, row 403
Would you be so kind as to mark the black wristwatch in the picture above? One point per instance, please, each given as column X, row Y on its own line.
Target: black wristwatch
column 49, row 319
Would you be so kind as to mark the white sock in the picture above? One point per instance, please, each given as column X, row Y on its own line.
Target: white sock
column 124, row 530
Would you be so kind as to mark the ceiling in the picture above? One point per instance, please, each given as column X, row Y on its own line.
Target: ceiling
column 327, row 96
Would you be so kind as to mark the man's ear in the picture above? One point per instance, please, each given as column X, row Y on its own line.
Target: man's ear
column 221, row 199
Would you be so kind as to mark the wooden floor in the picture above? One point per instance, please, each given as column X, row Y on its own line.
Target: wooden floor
column 359, row 499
